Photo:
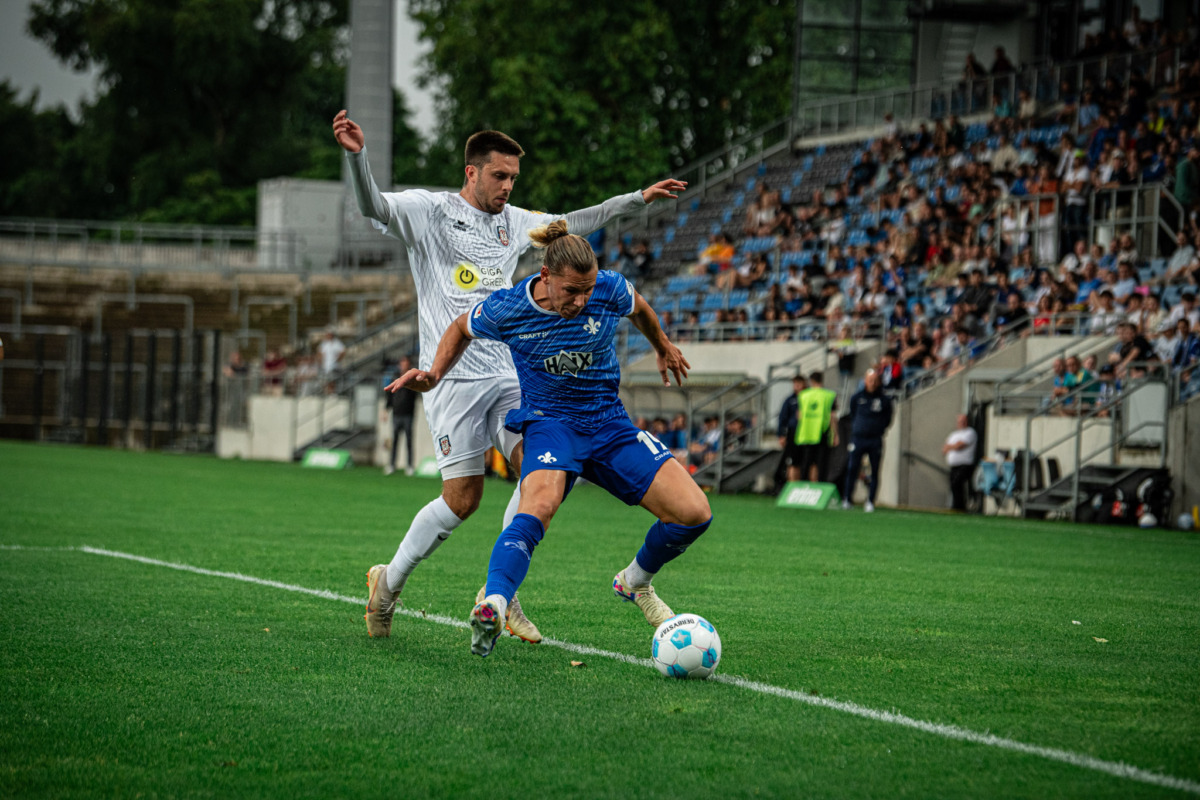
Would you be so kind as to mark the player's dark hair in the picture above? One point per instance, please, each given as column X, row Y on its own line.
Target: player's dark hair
column 563, row 250
column 816, row 377
column 481, row 145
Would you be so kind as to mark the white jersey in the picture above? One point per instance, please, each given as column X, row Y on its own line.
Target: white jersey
column 459, row 255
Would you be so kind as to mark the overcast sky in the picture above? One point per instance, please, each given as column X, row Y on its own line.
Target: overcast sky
column 28, row 65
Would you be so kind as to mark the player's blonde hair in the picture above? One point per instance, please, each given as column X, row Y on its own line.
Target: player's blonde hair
column 563, row 249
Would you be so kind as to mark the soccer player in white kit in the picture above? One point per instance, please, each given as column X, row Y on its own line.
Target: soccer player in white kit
column 461, row 247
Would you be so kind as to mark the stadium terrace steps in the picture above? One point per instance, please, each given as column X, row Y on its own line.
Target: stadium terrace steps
column 72, row 297
column 741, row 470
column 1094, row 480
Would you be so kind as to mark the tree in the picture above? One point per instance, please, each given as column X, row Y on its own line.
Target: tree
column 607, row 96
column 199, row 97
column 30, row 182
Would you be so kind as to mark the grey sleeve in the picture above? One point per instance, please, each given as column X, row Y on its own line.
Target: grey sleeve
column 586, row 220
column 370, row 200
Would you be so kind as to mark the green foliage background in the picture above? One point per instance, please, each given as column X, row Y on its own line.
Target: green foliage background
column 201, row 99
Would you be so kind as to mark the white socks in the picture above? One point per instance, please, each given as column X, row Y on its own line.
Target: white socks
column 636, row 577
column 500, row 603
column 513, row 503
column 432, row 525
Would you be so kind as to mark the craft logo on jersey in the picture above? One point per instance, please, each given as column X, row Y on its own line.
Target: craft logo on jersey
column 591, row 326
column 568, row 363
column 444, row 444
column 502, row 232
column 466, row 276
column 459, row 225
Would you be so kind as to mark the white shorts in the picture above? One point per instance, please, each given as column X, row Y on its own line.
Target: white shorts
column 466, row 418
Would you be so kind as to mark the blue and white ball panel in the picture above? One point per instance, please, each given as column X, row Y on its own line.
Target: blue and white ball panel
column 686, row 646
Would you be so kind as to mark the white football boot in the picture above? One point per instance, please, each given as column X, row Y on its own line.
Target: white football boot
column 485, row 628
column 655, row 610
column 517, row 623
column 381, row 603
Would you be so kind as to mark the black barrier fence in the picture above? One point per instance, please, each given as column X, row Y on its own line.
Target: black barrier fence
column 153, row 389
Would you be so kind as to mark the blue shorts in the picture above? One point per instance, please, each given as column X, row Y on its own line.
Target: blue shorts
column 619, row 457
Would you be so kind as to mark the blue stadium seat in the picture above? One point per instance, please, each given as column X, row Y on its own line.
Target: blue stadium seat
column 669, row 235
column 681, row 220
column 1157, row 266
column 713, row 301
column 739, row 200
column 677, row 284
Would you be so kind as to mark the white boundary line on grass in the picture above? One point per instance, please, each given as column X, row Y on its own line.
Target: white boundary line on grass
column 1115, row 768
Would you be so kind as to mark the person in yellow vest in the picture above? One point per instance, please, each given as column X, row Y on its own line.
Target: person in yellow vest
column 816, row 432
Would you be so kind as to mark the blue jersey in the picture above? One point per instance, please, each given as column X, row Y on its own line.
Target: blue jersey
column 568, row 368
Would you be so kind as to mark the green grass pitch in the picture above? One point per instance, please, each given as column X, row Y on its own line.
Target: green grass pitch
column 122, row 678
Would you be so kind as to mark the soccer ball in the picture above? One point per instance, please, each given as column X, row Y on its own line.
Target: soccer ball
column 686, row 646
column 1185, row 522
column 1148, row 520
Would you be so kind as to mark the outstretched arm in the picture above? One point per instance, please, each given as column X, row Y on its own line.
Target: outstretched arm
column 586, row 220
column 454, row 343
column 670, row 358
column 350, row 136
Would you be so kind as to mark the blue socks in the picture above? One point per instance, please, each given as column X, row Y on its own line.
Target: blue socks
column 510, row 557
column 509, row 564
column 666, row 541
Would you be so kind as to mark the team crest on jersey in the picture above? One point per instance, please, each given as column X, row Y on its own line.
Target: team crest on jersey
column 591, row 326
column 444, row 444
column 502, row 232
column 566, row 363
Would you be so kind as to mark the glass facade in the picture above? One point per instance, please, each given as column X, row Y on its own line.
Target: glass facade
column 853, row 46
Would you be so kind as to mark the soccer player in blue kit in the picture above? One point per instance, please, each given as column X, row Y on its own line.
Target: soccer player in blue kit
column 560, row 325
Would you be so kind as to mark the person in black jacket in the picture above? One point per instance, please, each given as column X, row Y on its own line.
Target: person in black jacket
column 871, row 414
column 402, row 405
column 789, row 414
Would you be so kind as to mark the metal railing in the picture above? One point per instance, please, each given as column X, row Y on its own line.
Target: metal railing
column 1087, row 415
column 1146, row 210
column 938, row 99
column 137, row 246
column 1013, row 391
column 140, row 247
column 921, row 102
column 64, row 384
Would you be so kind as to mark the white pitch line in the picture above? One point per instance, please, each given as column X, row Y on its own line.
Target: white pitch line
column 1114, row 768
